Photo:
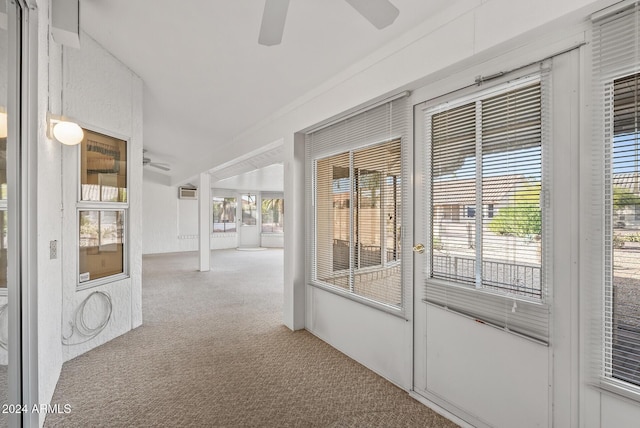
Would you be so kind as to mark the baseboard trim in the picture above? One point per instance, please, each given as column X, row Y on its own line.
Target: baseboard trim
column 440, row 410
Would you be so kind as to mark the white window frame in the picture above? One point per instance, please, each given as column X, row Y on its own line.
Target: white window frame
column 387, row 119
column 267, row 196
column 384, row 264
column 605, row 72
column 475, row 292
column 103, row 206
column 224, row 195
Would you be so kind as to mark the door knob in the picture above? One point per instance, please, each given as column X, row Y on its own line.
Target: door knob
column 418, row 248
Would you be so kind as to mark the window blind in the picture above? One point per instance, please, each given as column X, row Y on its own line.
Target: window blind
column 616, row 151
column 487, row 224
column 355, row 180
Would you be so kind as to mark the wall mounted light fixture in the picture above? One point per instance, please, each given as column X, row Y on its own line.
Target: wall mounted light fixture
column 64, row 130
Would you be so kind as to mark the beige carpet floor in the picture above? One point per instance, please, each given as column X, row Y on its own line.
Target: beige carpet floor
column 213, row 353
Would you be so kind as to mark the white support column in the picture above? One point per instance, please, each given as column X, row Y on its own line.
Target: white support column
column 294, row 233
column 204, row 221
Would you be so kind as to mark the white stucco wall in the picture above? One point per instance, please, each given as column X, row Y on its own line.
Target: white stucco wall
column 161, row 211
column 103, row 95
column 272, row 240
column 170, row 224
column 98, row 91
column 187, row 218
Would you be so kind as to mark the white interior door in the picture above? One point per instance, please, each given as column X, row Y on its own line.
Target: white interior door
column 249, row 220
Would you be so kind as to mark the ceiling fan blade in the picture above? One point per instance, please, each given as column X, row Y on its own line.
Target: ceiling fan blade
column 159, row 166
column 273, row 19
column 381, row 13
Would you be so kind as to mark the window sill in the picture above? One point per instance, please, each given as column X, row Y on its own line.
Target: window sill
column 618, row 389
column 393, row 310
column 101, row 281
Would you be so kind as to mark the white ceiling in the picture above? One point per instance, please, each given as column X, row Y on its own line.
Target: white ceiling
column 206, row 77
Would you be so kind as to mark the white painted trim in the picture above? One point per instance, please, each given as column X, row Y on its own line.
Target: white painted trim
column 224, row 193
column 536, row 54
column 440, row 410
column 28, row 216
column 612, row 10
column 125, row 248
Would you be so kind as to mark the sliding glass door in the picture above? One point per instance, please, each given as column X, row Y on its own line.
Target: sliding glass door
column 10, row 118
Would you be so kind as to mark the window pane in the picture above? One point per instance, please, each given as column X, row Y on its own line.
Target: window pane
column 224, row 214
column 625, row 241
column 453, row 149
column 272, row 215
column 511, row 182
column 333, row 184
column 249, row 210
column 502, row 249
column 512, row 238
column 101, row 244
column 358, row 243
column 376, row 214
column 103, row 168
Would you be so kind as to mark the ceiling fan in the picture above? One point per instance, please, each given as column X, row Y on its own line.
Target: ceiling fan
column 147, row 161
column 380, row 13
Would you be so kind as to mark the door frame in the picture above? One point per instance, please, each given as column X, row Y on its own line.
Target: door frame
column 22, row 211
column 245, row 230
column 563, row 369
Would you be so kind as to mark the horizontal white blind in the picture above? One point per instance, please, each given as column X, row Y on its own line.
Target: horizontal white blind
column 333, row 190
column 455, row 131
column 485, row 211
column 511, row 184
column 616, row 149
column 453, row 148
column 355, row 182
